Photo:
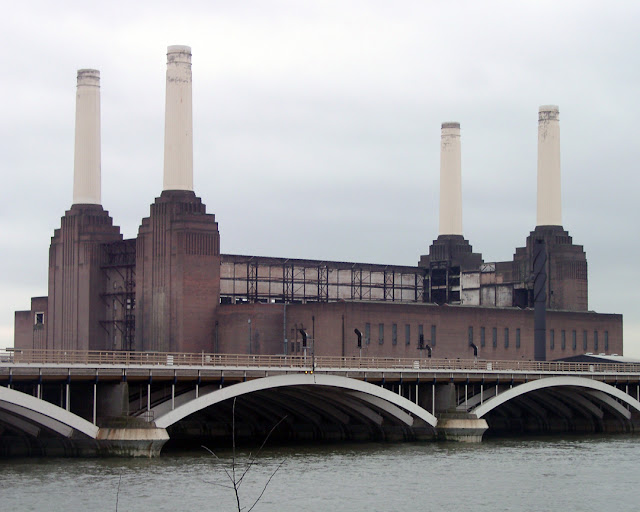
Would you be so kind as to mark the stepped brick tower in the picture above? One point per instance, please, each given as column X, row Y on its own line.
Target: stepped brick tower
column 178, row 245
column 566, row 262
column 450, row 253
column 76, row 281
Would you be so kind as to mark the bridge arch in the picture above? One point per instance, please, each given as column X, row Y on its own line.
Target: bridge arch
column 609, row 396
column 375, row 397
column 30, row 414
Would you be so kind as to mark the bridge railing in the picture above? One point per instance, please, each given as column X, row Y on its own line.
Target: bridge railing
column 203, row 359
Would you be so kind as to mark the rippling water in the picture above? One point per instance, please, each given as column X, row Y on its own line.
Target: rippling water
column 542, row 474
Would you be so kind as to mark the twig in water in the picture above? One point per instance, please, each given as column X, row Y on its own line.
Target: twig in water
column 236, row 482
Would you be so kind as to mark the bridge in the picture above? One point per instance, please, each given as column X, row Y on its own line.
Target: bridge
column 132, row 403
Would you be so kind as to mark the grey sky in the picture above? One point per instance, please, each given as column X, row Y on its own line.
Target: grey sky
column 317, row 126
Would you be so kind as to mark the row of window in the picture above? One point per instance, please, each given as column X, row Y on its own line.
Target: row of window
column 506, row 337
column 574, row 340
column 494, row 337
column 407, row 335
column 552, row 339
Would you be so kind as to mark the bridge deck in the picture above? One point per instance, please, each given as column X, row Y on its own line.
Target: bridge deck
column 82, row 365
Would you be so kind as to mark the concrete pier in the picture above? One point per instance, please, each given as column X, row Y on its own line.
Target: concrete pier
column 461, row 427
column 131, row 442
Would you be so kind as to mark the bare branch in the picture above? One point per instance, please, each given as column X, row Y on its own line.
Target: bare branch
column 231, row 479
column 236, row 482
column 233, row 466
column 118, row 493
column 253, row 460
column 265, row 486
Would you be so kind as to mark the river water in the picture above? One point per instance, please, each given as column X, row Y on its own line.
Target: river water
column 596, row 473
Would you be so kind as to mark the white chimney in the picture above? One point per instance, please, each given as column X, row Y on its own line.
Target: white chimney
column 450, row 180
column 549, row 189
column 178, row 126
column 86, row 168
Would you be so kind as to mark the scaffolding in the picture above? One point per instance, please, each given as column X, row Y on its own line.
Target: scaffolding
column 283, row 280
column 119, row 268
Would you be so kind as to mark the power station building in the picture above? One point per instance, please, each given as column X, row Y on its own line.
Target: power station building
column 171, row 290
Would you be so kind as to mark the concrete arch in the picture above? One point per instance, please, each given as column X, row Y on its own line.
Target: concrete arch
column 44, row 414
column 393, row 403
column 589, row 385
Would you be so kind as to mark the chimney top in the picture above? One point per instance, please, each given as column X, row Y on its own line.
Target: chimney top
column 179, row 53
column 178, row 48
column 451, row 125
column 89, row 77
column 548, row 112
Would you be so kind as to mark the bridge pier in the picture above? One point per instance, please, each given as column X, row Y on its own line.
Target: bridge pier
column 131, row 442
column 461, row 427
column 456, row 425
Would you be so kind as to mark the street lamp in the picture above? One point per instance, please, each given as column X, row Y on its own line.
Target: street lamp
column 422, row 346
column 475, row 351
column 359, row 335
column 304, row 343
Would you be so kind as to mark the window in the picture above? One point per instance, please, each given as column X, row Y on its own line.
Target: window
column 394, row 334
column 552, row 339
column 420, row 331
column 606, row 341
column 367, row 333
column 470, row 335
column 595, row 341
column 433, row 335
column 506, row 337
column 482, row 340
column 518, row 337
column 380, row 334
column 574, row 340
column 39, row 318
column 563, row 339
column 584, row 340
column 495, row 337
column 407, row 334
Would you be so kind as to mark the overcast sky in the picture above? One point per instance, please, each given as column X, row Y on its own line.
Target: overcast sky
column 317, row 126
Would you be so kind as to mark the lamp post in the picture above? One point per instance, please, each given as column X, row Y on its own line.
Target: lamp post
column 422, row 345
column 359, row 335
column 304, row 343
column 475, row 351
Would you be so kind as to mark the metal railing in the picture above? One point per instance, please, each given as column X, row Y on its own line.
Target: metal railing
column 320, row 363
